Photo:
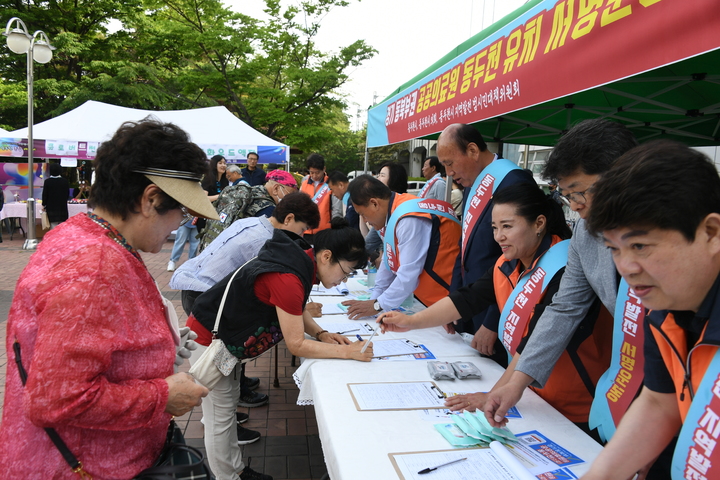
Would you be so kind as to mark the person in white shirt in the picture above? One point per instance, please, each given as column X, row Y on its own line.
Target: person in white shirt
column 434, row 173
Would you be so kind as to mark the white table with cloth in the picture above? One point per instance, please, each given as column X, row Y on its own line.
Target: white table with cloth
column 356, row 443
column 19, row 210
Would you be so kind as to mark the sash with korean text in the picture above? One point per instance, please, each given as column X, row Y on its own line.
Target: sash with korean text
column 480, row 195
column 429, row 185
column 520, row 305
column 697, row 454
column 320, row 195
column 416, row 205
column 619, row 385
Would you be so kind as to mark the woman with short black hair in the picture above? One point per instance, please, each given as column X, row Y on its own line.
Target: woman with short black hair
column 96, row 337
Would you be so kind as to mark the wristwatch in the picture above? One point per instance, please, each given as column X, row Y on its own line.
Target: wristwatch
column 377, row 306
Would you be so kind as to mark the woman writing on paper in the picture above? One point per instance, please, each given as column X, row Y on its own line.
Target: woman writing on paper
column 529, row 227
column 266, row 303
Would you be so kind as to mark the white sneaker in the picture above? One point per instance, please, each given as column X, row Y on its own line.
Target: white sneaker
column 171, row 266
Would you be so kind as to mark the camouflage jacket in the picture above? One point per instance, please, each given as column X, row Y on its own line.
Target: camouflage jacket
column 234, row 203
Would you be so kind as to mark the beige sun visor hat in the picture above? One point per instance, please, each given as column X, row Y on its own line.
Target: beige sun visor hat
column 185, row 188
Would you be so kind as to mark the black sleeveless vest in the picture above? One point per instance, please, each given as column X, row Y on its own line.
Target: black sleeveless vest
column 249, row 327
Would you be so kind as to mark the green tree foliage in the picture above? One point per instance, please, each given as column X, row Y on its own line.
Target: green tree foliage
column 388, row 153
column 344, row 150
column 78, row 28
column 179, row 54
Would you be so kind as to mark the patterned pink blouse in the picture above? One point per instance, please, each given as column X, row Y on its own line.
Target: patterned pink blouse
column 97, row 348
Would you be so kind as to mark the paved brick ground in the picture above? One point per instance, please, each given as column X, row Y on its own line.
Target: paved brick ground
column 289, row 448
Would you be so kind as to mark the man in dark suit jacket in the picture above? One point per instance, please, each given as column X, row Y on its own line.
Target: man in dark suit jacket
column 56, row 192
column 465, row 155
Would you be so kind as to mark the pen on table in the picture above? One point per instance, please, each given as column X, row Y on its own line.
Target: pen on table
column 369, row 339
column 348, row 331
column 430, row 469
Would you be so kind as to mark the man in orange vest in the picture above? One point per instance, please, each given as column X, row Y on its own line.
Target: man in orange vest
column 316, row 185
column 421, row 243
column 658, row 210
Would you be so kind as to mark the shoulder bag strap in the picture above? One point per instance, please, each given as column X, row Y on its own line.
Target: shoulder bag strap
column 224, row 297
column 75, row 464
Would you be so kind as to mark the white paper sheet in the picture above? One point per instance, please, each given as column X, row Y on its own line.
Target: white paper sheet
column 349, row 328
column 399, row 346
column 339, row 290
column 481, row 464
column 397, row 396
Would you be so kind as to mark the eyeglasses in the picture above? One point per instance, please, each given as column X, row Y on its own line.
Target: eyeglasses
column 186, row 216
column 284, row 190
column 347, row 274
column 577, row 197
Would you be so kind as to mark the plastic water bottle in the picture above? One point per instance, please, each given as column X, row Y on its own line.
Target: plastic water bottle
column 372, row 271
column 408, row 303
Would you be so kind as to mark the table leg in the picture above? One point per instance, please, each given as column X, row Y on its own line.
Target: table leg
column 276, row 382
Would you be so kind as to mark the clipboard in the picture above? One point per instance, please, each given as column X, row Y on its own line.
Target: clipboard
column 397, row 467
column 435, row 397
column 494, row 461
column 416, row 348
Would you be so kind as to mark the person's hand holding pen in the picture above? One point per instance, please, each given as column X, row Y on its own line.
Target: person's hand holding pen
column 361, row 350
column 394, row 322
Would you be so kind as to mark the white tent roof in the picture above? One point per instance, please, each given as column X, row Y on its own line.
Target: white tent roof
column 4, row 133
column 214, row 129
column 96, row 122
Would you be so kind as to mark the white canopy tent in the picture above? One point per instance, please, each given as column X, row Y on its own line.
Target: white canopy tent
column 217, row 131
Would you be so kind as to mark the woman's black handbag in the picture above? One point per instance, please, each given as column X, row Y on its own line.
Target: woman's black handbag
column 177, row 460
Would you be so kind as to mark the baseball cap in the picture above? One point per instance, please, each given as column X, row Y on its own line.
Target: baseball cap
column 282, row 177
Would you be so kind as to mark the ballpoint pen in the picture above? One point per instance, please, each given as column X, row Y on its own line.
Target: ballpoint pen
column 430, row 469
column 369, row 339
column 348, row 331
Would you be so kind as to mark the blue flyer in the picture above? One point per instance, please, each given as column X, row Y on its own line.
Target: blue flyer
column 549, row 449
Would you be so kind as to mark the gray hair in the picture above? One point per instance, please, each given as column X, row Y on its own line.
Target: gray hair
column 233, row 169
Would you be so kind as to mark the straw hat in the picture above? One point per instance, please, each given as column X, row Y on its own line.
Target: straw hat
column 185, row 188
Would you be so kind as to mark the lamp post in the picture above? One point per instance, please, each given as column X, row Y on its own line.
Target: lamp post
column 37, row 47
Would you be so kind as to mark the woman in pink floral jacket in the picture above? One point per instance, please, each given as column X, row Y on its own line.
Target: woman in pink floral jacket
column 91, row 323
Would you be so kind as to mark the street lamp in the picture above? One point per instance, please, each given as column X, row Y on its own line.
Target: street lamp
column 36, row 47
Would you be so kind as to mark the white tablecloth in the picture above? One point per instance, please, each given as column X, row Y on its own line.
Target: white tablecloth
column 356, row 444
column 19, row 210
column 439, row 342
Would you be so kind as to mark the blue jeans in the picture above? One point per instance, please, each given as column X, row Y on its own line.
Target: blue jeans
column 184, row 234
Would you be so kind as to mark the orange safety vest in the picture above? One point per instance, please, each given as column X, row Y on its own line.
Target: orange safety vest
column 325, row 205
column 571, row 386
column 672, row 343
column 442, row 252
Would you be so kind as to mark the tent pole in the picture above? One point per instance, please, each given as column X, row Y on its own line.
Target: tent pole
column 31, row 238
column 367, row 158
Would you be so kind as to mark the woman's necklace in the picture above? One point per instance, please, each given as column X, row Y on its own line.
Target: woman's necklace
column 115, row 235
